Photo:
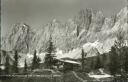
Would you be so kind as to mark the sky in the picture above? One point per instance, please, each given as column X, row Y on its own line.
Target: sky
column 36, row 13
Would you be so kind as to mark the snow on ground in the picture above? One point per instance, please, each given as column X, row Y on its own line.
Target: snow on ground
column 76, row 53
column 29, row 55
column 102, row 75
column 2, row 67
column 90, row 48
column 29, row 58
column 41, row 56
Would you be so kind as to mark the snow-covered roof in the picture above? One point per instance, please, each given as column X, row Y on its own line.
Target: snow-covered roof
column 70, row 61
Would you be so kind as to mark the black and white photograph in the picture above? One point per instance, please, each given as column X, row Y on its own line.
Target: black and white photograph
column 64, row 41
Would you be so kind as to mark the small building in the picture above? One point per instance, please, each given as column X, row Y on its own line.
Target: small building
column 69, row 64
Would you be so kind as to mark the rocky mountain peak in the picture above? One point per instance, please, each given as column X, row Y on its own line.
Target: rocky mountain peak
column 87, row 26
column 89, row 30
column 19, row 38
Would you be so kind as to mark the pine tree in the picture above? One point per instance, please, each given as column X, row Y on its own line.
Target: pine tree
column 82, row 59
column 114, row 64
column 15, row 63
column 50, row 55
column 0, row 71
column 105, row 60
column 98, row 63
column 77, row 29
column 25, row 66
column 126, row 64
column 119, row 44
column 7, row 65
column 126, row 59
column 35, row 61
column 0, row 63
column 92, row 64
column 38, row 62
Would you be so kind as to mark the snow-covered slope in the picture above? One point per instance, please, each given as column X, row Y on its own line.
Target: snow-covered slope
column 90, row 48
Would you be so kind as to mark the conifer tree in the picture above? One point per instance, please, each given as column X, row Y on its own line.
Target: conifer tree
column 114, row 64
column 82, row 59
column 0, row 71
column 119, row 44
column 15, row 63
column 38, row 62
column 77, row 29
column 0, row 63
column 126, row 60
column 50, row 55
column 92, row 64
column 98, row 63
column 7, row 65
column 35, row 61
column 25, row 66
column 126, row 64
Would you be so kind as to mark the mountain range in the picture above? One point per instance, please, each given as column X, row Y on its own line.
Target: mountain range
column 89, row 30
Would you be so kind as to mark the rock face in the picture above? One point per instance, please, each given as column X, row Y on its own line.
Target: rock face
column 19, row 38
column 88, row 26
column 3, row 56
